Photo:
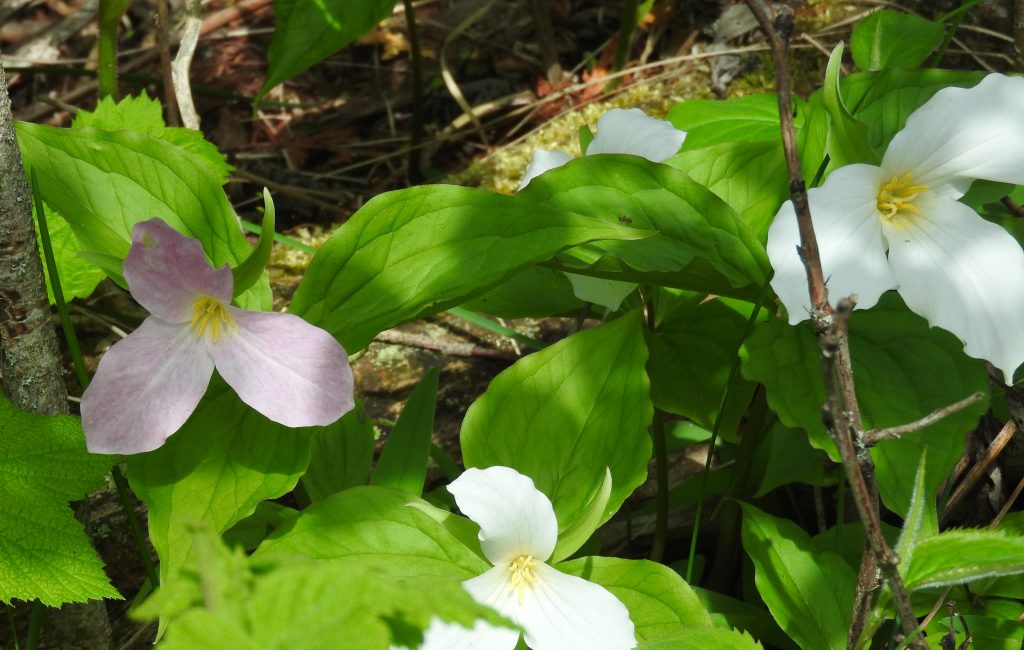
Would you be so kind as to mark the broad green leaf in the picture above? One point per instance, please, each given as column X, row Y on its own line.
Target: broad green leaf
column 564, row 414
column 414, row 252
column 705, row 637
column 959, row 556
column 700, row 245
column 78, row 276
column 222, row 597
column 847, row 541
column 903, row 370
column 809, row 594
column 691, row 356
column 44, row 551
column 103, row 182
column 921, row 521
column 534, row 292
column 576, row 535
column 729, row 613
column 307, row 32
column 658, row 600
column 848, row 136
column 145, row 115
column 225, row 460
column 750, row 176
column 340, row 455
column 885, row 99
column 375, row 524
column 709, row 122
column 893, row 39
column 787, row 457
column 403, row 463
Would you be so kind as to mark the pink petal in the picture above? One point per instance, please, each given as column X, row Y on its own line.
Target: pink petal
column 290, row 371
column 145, row 388
column 167, row 272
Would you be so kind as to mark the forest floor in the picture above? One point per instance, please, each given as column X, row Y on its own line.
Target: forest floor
column 338, row 134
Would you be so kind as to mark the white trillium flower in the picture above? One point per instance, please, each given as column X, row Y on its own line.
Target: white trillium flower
column 900, row 225
column 518, row 531
column 619, row 131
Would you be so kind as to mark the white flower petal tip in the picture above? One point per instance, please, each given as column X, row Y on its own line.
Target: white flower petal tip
column 441, row 635
column 631, row 131
column 147, row 385
column 900, row 226
column 518, row 531
column 542, row 161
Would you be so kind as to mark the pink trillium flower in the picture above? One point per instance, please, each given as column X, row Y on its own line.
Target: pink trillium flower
column 901, row 226
column 619, row 131
column 518, row 533
column 148, row 384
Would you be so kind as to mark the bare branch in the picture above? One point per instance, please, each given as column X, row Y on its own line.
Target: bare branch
column 875, row 436
column 190, row 29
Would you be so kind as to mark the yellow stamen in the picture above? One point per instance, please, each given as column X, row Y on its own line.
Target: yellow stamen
column 897, row 196
column 210, row 317
column 521, row 574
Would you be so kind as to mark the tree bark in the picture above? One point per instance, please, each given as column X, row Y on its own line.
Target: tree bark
column 30, row 364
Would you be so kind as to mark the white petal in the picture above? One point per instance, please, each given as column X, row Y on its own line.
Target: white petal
column 515, row 518
column 631, row 131
column 563, row 612
column 145, row 388
column 965, row 275
column 541, row 162
column 442, row 635
column 962, row 134
column 849, row 233
column 606, row 293
column 290, row 371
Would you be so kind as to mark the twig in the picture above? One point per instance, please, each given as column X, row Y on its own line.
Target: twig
column 163, row 30
column 190, row 29
column 449, row 78
column 1013, row 206
column 875, row 436
column 841, row 412
column 297, row 193
column 991, row 453
column 545, row 37
column 414, row 171
column 455, row 349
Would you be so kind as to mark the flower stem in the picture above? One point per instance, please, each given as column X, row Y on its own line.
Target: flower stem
column 35, row 625
column 661, row 495
column 83, row 377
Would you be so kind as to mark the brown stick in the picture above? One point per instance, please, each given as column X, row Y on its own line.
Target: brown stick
column 991, row 453
column 875, row 436
column 841, row 412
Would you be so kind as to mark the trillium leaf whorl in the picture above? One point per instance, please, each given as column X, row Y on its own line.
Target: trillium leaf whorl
column 900, row 225
column 147, row 385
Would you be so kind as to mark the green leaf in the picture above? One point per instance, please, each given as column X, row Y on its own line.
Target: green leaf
column 403, row 463
column 658, row 600
column 576, row 535
column 308, row 32
column 750, row 176
column 145, row 115
column 921, row 521
column 222, row 597
column 375, row 524
column 903, row 370
column 848, row 136
column 251, row 269
column 215, row 470
column 340, row 455
column 534, row 292
column 700, row 245
column 708, row 122
column 415, row 252
column 564, row 414
column 789, row 458
column 102, row 182
column 705, row 637
column 44, row 551
column 893, row 39
column 809, row 594
column 78, row 276
column 691, row 356
column 960, row 556
column 729, row 613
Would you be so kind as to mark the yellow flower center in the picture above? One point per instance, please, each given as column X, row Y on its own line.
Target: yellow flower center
column 897, row 197
column 521, row 574
column 211, row 317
